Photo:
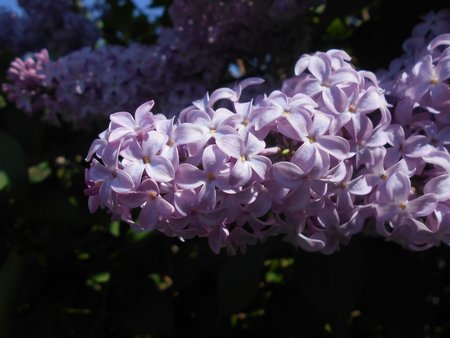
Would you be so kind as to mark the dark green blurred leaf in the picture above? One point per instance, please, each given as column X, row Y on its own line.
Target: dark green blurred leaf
column 114, row 228
column 99, row 278
column 40, row 172
column 2, row 102
column 4, row 180
column 13, row 165
column 337, row 29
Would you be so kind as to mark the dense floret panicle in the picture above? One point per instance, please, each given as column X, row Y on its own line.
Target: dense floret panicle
column 51, row 24
column 413, row 211
column 317, row 161
column 27, row 82
column 302, row 161
column 88, row 84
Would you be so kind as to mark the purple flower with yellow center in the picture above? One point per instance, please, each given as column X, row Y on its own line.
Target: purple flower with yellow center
column 244, row 147
column 146, row 156
column 282, row 108
column 109, row 177
column 212, row 127
column 432, row 79
column 317, row 144
column 355, row 105
column 323, row 76
column 154, row 206
column 123, row 124
column 215, row 173
column 178, row 135
column 440, row 183
column 396, row 202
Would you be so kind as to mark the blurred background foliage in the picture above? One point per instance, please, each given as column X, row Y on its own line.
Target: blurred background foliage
column 67, row 273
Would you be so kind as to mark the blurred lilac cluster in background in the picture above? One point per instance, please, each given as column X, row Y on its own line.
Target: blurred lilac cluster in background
column 188, row 58
column 55, row 25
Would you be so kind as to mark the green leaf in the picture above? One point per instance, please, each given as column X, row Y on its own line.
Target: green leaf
column 337, row 29
column 40, row 172
column 4, row 180
column 100, row 278
column 13, row 166
column 2, row 102
column 114, row 228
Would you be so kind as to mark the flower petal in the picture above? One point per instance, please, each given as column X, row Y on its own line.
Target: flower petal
column 287, row 174
column 134, row 199
column 260, row 164
column 439, row 158
column 299, row 198
column 185, row 201
column 320, row 124
column 153, row 142
column 320, row 67
column 440, row 186
column 148, row 218
column 335, row 99
column 265, row 115
column 422, row 206
column 186, row 133
column 122, row 182
column 241, row 173
column 359, row 186
column 123, row 119
column 217, row 238
column 398, row 187
column 189, row 176
column 313, row 243
column 231, row 144
column 164, row 207
column 370, row 101
column 207, row 196
column 302, row 64
column 305, row 157
column 336, row 146
column 160, row 169
column 254, row 145
column 213, row 159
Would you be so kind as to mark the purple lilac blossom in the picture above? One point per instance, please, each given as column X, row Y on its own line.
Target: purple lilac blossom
column 188, row 58
column 317, row 162
column 316, row 167
column 417, row 87
column 244, row 170
column 51, row 24
column 28, row 82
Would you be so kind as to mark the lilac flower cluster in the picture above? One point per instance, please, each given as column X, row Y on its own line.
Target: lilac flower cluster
column 86, row 85
column 295, row 162
column 417, row 85
column 236, row 27
column 28, row 82
column 51, row 24
column 318, row 161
